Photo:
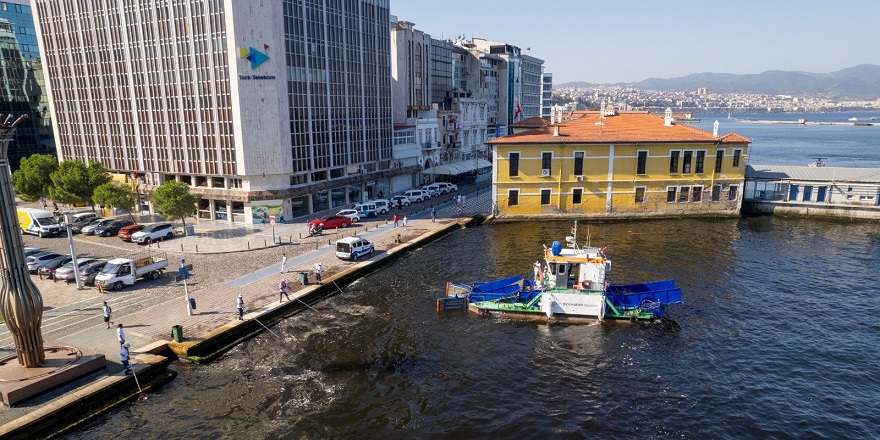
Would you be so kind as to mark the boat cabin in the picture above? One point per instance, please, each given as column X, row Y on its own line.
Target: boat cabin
column 575, row 268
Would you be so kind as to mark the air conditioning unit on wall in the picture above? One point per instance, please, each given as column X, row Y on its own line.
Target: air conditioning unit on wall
column 545, row 173
column 580, row 178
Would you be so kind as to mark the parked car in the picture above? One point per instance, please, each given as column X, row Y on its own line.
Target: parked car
column 90, row 229
column 126, row 232
column 66, row 271
column 400, row 200
column 80, row 217
column 351, row 213
column 432, row 190
column 416, row 195
column 350, row 248
column 49, row 268
column 34, row 262
column 77, row 226
column 88, row 274
column 155, row 232
column 330, row 222
column 366, row 209
column 112, row 228
column 445, row 187
column 28, row 251
column 383, row 206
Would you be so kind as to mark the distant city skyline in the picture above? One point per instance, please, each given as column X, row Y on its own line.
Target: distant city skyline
column 611, row 42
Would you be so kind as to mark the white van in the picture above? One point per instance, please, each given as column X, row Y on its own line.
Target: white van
column 37, row 222
column 416, row 195
column 383, row 206
column 350, row 248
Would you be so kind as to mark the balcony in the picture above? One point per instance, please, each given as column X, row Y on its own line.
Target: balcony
column 429, row 146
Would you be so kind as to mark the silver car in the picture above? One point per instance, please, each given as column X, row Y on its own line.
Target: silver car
column 34, row 262
column 88, row 274
column 66, row 272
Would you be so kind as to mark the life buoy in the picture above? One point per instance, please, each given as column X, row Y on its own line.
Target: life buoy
column 586, row 284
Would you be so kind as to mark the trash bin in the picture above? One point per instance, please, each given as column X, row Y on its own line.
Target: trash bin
column 192, row 303
column 304, row 278
column 177, row 333
column 189, row 230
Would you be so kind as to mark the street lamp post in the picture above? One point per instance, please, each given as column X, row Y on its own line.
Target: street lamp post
column 183, row 272
column 69, row 219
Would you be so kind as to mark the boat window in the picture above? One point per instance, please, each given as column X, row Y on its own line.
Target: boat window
column 560, row 269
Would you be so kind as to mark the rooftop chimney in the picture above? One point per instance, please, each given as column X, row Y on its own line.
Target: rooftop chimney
column 555, row 131
column 667, row 119
column 715, row 128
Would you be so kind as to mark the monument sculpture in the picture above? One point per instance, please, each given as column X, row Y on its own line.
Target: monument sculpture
column 20, row 301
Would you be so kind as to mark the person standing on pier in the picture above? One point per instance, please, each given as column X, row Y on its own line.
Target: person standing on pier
column 395, row 220
column 123, row 357
column 283, row 261
column 120, row 333
column 433, row 214
column 239, row 303
column 404, row 221
column 319, row 269
column 282, row 290
column 107, row 311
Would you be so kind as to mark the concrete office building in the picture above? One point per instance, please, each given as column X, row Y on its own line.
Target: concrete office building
column 278, row 106
column 547, row 95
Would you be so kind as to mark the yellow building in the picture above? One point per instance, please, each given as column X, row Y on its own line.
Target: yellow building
column 618, row 164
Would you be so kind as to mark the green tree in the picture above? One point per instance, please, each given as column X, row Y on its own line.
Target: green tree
column 115, row 196
column 31, row 180
column 173, row 200
column 74, row 182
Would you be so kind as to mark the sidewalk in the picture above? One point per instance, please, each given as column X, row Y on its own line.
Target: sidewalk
column 148, row 310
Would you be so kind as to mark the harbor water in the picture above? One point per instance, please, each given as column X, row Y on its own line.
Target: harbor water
column 777, row 337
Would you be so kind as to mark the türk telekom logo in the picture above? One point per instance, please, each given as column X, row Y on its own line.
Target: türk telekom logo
column 254, row 56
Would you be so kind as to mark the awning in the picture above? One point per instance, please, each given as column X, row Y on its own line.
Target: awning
column 461, row 167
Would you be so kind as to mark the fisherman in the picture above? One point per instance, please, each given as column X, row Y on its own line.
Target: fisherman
column 123, row 356
column 240, row 304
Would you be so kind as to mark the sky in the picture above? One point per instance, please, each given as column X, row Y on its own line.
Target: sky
column 613, row 41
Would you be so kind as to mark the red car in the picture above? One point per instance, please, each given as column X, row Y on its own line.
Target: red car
column 331, row 221
column 127, row 231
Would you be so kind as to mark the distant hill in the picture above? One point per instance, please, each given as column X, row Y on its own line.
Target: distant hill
column 854, row 83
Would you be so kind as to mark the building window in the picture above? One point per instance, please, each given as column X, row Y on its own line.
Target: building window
column 670, row 194
column 808, row 193
column 579, row 163
column 820, row 193
column 514, row 164
column 697, row 194
column 546, row 159
column 716, row 193
column 512, row 197
column 673, row 162
column 736, row 154
column 718, row 156
column 642, row 162
column 235, row 182
column 576, row 195
column 545, row 196
column 684, row 194
column 640, row 194
column 734, row 192
column 701, row 158
column 686, row 163
column 793, row 192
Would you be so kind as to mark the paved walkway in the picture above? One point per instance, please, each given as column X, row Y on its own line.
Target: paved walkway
column 223, row 269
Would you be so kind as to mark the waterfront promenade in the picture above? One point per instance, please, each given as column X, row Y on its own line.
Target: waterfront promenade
column 231, row 260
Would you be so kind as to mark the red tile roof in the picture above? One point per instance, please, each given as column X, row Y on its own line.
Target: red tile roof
column 533, row 122
column 631, row 126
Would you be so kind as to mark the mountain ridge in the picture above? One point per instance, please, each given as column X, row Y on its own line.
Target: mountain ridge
column 860, row 82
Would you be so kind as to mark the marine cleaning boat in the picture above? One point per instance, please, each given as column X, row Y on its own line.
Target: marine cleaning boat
column 571, row 285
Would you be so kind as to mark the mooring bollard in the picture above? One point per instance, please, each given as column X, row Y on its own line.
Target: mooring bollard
column 197, row 248
column 265, row 243
column 181, row 247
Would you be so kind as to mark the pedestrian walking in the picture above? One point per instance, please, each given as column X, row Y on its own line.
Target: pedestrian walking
column 123, row 356
column 282, row 290
column 463, row 198
column 240, row 304
column 120, row 333
column 395, row 220
column 319, row 269
column 283, row 261
column 107, row 312
column 404, row 221
column 433, row 214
